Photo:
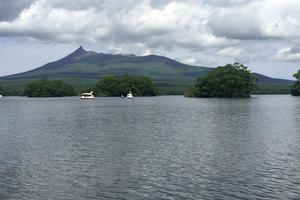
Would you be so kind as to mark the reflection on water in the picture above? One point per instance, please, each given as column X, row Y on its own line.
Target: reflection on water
column 150, row 148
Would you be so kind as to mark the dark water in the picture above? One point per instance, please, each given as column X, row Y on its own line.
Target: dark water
column 150, row 148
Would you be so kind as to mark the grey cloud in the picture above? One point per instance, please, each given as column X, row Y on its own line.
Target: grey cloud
column 235, row 23
column 10, row 9
column 294, row 50
column 159, row 3
column 257, row 20
column 228, row 3
column 99, row 5
column 290, row 54
column 236, row 27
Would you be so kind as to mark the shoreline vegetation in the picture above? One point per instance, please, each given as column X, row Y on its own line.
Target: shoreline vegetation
column 229, row 81
column 110, row 86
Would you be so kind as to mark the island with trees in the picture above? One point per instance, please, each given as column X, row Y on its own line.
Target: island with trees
column 296, row 86
column 48, row 88
column 121, row 85
column 229, row 81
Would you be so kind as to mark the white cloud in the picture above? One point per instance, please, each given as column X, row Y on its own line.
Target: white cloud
column 190, row 61
column 185, row 24
column 173, row 24
column 258, row 20
column 291, row 54
column 230, row 51
column 42, row 21
column 236, row 29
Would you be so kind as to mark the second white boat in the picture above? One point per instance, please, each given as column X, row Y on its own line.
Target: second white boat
column 129, row 95
column 87, row 95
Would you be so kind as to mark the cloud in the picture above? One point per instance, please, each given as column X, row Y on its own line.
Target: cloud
column 9, row 9
column 217, row 27
column 258, row 20
column 166, row 24
column 291, row 54
column 230, row 51
column 228, row 3
column 44, row 22
column 236, row 24
column 190, row 61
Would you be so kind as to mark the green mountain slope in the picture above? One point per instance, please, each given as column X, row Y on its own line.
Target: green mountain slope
column 84, row 68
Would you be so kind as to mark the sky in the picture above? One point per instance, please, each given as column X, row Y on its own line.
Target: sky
column 262, row 34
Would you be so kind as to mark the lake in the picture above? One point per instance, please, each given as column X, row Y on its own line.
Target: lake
column 166, row 147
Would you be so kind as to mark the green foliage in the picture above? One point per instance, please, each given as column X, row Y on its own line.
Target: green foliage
column 121, row 85
column 1, row 90
column 48, row 88
column 297, row 75
column 295, row 90
column 229, row 81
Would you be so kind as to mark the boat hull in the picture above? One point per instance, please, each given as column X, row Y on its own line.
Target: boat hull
column 83, row 98
column 87, row 95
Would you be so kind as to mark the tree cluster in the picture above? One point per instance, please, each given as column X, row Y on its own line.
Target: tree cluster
column 296, row 87
column 48, row 88
column 1, row 90
column 121, row 85
column 229, row 81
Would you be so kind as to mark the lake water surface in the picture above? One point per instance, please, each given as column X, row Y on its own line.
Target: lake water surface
column 167, row 147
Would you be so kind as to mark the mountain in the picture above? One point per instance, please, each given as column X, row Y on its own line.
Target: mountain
column 83, row 68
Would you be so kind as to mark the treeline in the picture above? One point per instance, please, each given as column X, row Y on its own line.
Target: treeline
column 107, row 86
column 1, row 90
column 229, row 81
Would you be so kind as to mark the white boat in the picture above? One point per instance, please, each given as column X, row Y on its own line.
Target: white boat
column 129, row 95
column 0, row 95
column 87, row 95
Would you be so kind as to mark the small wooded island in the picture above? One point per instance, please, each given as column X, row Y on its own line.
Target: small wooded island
column 48, row 88
column 121, row 85
column 229, row 81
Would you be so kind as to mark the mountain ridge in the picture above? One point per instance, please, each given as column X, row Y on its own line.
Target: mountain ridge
column 91, row 57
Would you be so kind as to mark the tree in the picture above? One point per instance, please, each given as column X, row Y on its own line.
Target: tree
column 297, row 75
column 48, row 88
column 121, row 85
column 296, row 87
column 229, row 81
